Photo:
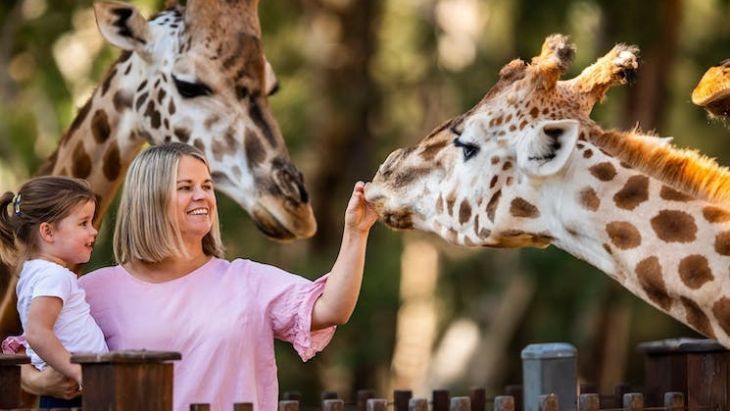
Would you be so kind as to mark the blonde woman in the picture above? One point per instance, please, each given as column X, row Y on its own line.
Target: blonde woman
column 174, row 291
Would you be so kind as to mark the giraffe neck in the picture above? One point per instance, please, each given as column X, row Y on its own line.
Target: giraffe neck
column 104, row 137
column 668, row 248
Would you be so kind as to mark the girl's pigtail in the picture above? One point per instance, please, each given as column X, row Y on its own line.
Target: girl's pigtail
column 8, row 251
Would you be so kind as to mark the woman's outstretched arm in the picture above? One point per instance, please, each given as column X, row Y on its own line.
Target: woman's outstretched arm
column 340, row 294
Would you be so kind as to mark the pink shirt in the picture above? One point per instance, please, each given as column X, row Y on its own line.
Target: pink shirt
column 222, row 317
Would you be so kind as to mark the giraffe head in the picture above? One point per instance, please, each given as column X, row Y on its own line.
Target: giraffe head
column 477, row 178
column 198, row 75
column 713, row 91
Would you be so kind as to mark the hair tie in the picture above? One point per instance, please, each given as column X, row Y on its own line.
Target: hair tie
column 16, row 204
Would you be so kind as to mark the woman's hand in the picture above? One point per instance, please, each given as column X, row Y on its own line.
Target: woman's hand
column 360, row 215
column 48, row 382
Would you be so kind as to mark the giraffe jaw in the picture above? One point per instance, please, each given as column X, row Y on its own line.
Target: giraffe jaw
column 296, row 224
column 713, row 91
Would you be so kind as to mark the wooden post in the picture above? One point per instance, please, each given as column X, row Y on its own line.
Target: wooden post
column 633, row 401
column 418, row 404
column 700, row 369
column 199, row 407
column 288, row 405
column 674, row 401
column 504, row 403
column 440, row 400
column 10, row 379
column 549, row 368
column 243, row 406
column 376, row 404
column 401, row 399
column 588, row 388
column 460, row 404
column 548, row 402
column 329, row 395
column 478, row 399
column 127, row 380
column 333, row 405
column 292, row 396
column 589, row 402
column 619, row 391
column 362, row 398
column 515, row 391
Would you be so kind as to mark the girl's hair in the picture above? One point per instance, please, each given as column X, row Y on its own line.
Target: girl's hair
column 146, row 228
column 47, row 199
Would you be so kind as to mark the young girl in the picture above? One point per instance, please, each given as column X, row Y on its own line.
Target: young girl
column 45, row 230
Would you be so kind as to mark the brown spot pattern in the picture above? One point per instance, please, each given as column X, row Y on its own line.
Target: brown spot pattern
column 589, row 199
column 112, row 163
column 671, row 194
column 122, row 101
column 100, row 126
column 492, row 205
column 588, row 153
column 430, row 150
column 464, row 211
column 722, row 243
column 721, row 311
column 519, row 207
column 450, row 200
column 81, row 166
column 674, row 226
column 182, row 134
column 695, row 271
column 83, row 112
column 623, row 235
column 649, row 273
column 715, row 214
column 634, row 192
column 440, row 205
column 255, row 152
column 696, row 317
column 603, row 171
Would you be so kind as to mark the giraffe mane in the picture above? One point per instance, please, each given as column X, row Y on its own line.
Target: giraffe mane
column 687, row 170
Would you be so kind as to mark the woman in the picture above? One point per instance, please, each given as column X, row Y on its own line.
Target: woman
column 173, row 291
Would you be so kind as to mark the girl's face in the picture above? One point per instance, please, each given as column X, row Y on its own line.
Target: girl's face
column 70, row 240
column 195, row 200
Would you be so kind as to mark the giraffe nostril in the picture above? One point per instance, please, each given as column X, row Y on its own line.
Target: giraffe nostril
column 291, row 184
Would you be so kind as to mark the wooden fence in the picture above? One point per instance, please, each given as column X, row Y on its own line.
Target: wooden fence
column 679, row 375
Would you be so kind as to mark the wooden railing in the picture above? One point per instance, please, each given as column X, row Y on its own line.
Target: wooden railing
column 680, row 375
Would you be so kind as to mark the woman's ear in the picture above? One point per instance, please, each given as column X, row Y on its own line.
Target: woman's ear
column 46, row 232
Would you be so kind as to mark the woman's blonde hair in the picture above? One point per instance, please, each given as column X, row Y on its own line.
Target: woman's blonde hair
column 146, row 229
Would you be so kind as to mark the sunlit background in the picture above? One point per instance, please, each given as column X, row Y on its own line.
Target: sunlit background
column 360, row 78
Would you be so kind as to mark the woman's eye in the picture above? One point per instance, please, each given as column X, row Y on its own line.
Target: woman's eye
column 191, row 90
column 470, row 150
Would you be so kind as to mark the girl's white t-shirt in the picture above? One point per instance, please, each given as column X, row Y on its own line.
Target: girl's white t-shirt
column 75, row 327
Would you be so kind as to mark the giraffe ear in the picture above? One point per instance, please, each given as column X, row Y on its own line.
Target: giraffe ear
column 122, row 25
column 545, row 150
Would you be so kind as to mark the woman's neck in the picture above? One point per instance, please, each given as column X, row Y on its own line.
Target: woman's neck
column 168, row 269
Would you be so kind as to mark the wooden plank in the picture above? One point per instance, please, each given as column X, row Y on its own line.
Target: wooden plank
column 440, row 400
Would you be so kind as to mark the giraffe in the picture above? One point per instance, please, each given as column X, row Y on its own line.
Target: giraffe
column 713, row 91
column 527, row 167
column 197, row 75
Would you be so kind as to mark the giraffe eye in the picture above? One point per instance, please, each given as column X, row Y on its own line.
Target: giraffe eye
column 469, row 149
column 191, row 90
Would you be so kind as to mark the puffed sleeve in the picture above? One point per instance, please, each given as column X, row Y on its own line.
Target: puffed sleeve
column 293, row 319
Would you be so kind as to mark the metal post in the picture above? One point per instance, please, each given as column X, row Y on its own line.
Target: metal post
column 549, row 368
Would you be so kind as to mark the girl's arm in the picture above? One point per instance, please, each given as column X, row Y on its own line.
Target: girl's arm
column 47, row 382
column 340, row 294
column 42, row 316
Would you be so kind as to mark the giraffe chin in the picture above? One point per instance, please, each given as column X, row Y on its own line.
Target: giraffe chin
column 270, row 226
column 720, row 107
